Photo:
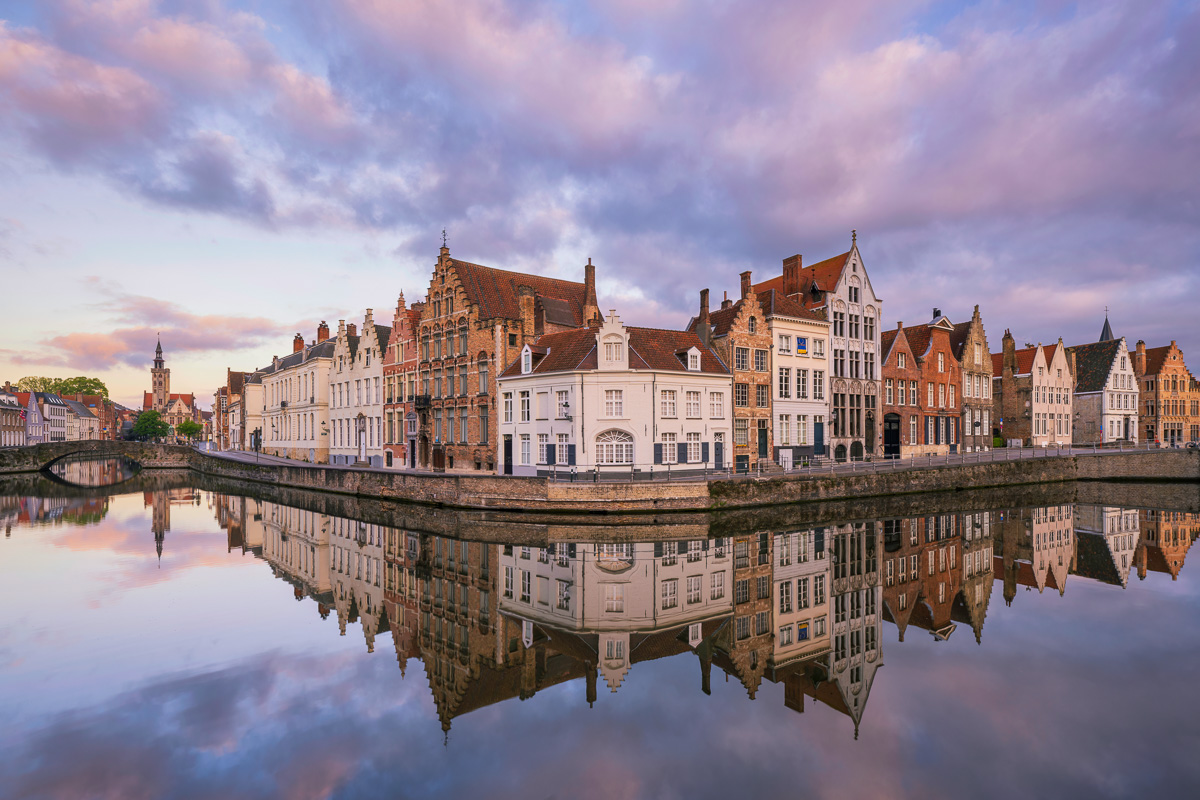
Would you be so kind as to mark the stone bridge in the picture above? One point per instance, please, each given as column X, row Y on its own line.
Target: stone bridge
column 39, row 456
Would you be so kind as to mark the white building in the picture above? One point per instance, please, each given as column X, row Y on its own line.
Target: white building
column 356, row 394
column 295, row 401
column 82, row 424
column 54, row 416
column 614, row 398
column 1106, row 541
column 618, row 592
column 800, row 366
column 801, row 596
column 1106, row 391
column 839, row 288
column 856, row 597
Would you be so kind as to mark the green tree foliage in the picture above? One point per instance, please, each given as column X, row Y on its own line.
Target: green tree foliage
column 80, row 384
column 150, row 425
column 189, row 428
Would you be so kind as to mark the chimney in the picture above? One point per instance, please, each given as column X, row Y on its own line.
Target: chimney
column 368, row 320
column 937, row 312
column 791, row 275
column 899, row 325
column 352, row 329
column 322, row 332
column 1139, row 359
column 1071, row 356
column 591, row 307
column 526, row 302
column 297, row 343
column 703, row 326
column 726, row 302
column 1010, row 353
column 745, row 284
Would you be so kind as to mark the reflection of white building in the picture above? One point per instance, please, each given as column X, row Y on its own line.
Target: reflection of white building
column 356, row 566
column 856, row 596
column 612, row 398
column 1053, row 537
column 618, row 590
column 1106, row 542
column 296, row 543
column 800, row 596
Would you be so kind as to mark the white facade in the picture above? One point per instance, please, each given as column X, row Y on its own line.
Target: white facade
column 855, row 314
column 857, row 614
column 801, row 579
column 667, row 412
column 1053, row 389
column 295, row 405
column 356, row 395
column 800, row 371
column 54, row 416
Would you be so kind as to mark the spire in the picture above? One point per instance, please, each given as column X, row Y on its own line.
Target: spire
column 158, row 356
column 1106, row 335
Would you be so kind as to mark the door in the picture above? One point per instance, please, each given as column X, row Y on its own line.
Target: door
column 785, row 458
column 719, row 454
column 891, row 435
column 439, row 459
column 856, row 451
column 508, row 455
column 743, row 464
column 839, row 452
column 762, row 438
column 818, row 438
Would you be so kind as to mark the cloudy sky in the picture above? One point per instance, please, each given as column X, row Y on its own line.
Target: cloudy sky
column 230, row 173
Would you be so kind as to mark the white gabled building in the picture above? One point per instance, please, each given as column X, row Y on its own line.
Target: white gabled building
column 356, row 394
column 289, row 408
column 1106, row 391
column 614, row 398
column 800, row 365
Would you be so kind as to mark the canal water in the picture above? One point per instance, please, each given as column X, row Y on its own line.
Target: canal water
column 197, row 641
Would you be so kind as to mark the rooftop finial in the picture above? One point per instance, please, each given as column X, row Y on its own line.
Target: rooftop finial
column 853, row 236
column 443, row 237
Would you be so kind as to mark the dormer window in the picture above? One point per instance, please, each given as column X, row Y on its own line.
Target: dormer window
column 694, row 361
column 526, row 362
column 612, row 351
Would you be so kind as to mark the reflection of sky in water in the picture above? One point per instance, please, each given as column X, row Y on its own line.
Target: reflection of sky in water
column 205, row 677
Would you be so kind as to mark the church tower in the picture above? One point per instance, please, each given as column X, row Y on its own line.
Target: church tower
column 160, row 380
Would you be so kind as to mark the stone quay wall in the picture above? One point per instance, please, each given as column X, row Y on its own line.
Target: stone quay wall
column 539, row 495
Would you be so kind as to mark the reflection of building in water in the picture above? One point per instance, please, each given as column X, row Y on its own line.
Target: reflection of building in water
column 1037, row 548
column 295, row 543
column 94, row 471
column 857, row 620
column 160, row 502
column 801, row 597
column 611, row 596
column 356, row 579
column 1166, row 538
column 937, row 572
column 745, row 648
column 1106, row 541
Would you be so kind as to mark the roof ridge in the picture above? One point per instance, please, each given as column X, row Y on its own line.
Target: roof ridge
column 514, row 272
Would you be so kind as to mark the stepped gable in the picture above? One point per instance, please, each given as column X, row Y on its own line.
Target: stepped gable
column 1093, row 363
column 495, row 292
column 189, row 400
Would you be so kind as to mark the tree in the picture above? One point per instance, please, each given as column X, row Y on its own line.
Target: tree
column 150, row 425
column 80, row 384
column 189, row 428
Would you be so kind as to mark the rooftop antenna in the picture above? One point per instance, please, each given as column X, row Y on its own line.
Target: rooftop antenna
column 443, row 237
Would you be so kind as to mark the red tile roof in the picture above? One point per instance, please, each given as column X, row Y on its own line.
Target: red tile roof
column 775, row 303
column 148, row 400
column 495, row 290
column 1024, row 361
column 1155, row 358
column 919, row 337
column 825, row 273
column 649, row 348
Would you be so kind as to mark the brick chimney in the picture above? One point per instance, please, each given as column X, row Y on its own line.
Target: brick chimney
column 745, row 284
column 791, row 275
column 297, row 343
column 525, row 300
column 726, row 302
column 322, row 332
column 703, row 326
column 1139, row 359
column 591, row 306
column 352, row 329
column 1010, row 353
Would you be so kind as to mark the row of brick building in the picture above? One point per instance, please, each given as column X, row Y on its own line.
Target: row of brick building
column 521, row 374
column 28, row 418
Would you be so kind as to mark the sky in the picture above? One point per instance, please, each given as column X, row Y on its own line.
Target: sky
column 227, row 174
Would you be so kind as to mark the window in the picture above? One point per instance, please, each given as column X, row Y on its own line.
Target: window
column 693, row 448
column 912, row 393
column 524, row 448
column 785, row 383
column 716, row 583
column 612, row 351
column 614, row 598
column 819, row 590
column 564, row 595
column 741, row 591
column 785, row 344
column 869, row 328
column 785, row 635
column 741, row 358
column 614, row 403
column 670, row 453
column 694, row 362
column 561, row 451
column 762, row 395
column 854, row 325
column 716, row 404
column 742, row 626
column 818, row 384
column 695, row 589
column 839, row 323
column 762, row 623
column 785, row 424
column 741, row 431
column 670, row 593
column 760, row 360
column 543, row 442
column 668, row 403
column 785, row 597
column 693, row 404
column 764, row 584
column 802, row 593
column 741, row 395
column 508, row 582
column 819, row 348
column 614, row 447
column 752, row 326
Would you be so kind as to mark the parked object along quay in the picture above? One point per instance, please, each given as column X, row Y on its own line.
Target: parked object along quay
column 629, row 493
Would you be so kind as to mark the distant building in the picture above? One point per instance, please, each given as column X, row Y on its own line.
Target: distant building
column 1106, row 391
column 174, row 408
column 970, row 346
column 12, row 420
column 356, row 393
column 1169, row 407
column 294, row 399
column 83, row 424
column 1032, row 392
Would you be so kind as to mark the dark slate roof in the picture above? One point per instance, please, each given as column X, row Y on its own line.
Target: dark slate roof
column 79, row 408
column 1106, row 335
column 495, row 291
column 557, row 312
column 649, row 348
column 1093, row 558
column 775, row 304
column 1093, row 363
column 958, row 339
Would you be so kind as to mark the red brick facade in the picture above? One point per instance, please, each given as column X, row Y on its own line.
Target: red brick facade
column 399, row 386
column 928, row 349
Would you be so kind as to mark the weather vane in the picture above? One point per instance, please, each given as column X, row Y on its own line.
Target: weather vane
column 443, row 237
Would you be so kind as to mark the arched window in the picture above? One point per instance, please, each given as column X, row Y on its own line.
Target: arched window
column 614, row 447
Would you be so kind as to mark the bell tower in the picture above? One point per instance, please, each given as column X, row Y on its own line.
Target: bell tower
column 160, row 380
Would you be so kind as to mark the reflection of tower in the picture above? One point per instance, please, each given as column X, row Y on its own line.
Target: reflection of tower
column 160, row 519
column 160, row 380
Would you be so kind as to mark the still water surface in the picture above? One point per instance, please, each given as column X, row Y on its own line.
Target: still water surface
column 189, row 643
